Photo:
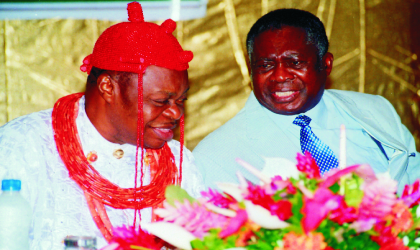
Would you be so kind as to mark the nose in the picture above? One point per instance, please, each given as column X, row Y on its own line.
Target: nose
column 174, row 111
column 282, row 73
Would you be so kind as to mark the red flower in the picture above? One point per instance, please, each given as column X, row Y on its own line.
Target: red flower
column 385, row 237
column 399, row 220
column 282, row 209
column 257, row 195
column 307, row 165
column 343, row 214
column 397, row 245
column 389, row 243
column 291, row 189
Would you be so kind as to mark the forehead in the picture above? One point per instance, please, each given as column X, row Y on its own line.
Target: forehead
column 287, row 40
column 162, row 79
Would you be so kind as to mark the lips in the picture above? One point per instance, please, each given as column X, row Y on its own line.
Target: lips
column 164, row 133
column 285, row 96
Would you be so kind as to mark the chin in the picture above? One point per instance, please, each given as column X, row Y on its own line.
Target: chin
column 154, row 145
column 285, row 111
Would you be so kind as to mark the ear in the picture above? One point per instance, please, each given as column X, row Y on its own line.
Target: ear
column 328, row 62
column 106, row 87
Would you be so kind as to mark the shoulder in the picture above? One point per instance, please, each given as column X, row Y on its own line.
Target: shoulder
column 353, row 95
column 35, row 124
column 220, row 140
column 360, row 101
column 192, row 179
column 24, row 142
column 233, row 129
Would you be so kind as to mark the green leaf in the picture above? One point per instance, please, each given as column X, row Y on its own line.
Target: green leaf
column 335, row 188
column 266, row 239
column 353, row 193
column 296, row 218
column 197, row 244
column 176, row 193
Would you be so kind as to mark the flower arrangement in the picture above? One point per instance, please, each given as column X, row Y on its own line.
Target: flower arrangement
column 348, row 208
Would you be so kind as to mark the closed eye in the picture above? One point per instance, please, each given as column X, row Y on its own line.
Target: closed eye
column 161, row 102
column 182, row 101
column 265, row 66
column 297, row 64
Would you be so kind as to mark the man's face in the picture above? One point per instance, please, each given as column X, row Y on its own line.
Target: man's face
column 164, row 93
column 286, row 76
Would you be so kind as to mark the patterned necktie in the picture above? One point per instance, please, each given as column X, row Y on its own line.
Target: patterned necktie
column 322, row 154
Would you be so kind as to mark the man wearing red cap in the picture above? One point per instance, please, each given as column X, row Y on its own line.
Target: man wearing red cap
column 103, row 158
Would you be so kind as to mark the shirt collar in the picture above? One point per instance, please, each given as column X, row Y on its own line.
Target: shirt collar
column 318, row 115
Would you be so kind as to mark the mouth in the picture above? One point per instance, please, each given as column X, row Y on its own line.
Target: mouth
column 284, row 96
column 164, row 133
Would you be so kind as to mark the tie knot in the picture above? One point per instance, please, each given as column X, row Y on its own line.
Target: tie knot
column 302, row 121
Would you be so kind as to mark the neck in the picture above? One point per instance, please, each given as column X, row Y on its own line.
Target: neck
column 96, row 111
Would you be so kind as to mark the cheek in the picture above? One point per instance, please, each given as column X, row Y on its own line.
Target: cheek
column 259, row 82
column 151, row 113
column 314, row 87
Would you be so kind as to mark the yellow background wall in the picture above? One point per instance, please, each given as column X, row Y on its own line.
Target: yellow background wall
column 376, row 44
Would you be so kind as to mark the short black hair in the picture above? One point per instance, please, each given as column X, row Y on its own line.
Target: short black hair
column 94, row 74
column 123, row 79
column 277, row 19
column 121, row 76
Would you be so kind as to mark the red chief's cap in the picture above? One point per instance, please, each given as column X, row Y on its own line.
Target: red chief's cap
column 134, row 45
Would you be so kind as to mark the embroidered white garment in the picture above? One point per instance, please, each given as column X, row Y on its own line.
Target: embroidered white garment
column 28, row 152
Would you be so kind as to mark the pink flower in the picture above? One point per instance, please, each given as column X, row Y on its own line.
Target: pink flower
column 234, row 223
column 363, row 225
column 378, row 200
column 195, row 218
column 411, row 194
column 307, row 165
column 291, row 189
column 125, row 237
column 363, row 171
column 277, row 184
column 218, row 199
column 317, row 208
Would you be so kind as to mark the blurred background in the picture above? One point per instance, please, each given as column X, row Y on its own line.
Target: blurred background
column 376, row 44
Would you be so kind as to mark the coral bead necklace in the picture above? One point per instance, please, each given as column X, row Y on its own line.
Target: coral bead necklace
column 98, row 190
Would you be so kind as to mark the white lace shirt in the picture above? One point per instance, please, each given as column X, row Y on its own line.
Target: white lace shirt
column 28, row 152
